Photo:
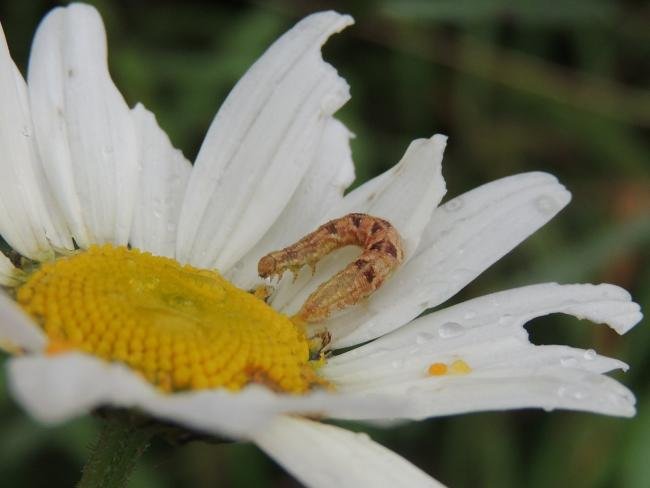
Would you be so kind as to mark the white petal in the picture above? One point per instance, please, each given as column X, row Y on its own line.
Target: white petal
column 498, row 313
column 323, row 456
column 548, row 388
column 163, row 180
column 25, row 221
column 83, row 126
column 330, row 173
column 464, row 237
column 17, row 330
column 259, row 145
column 241, row 413
column 406, row 195
column 56, row 388
column 507, row 371
column 9, row 274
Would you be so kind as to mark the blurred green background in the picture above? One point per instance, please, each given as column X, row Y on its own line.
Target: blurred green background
column 518, row 86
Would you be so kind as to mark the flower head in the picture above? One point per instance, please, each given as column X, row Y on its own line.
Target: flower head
column 127, row 283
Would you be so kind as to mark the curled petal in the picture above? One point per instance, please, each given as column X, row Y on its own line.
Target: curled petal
column 501, row 369
column 463, row 238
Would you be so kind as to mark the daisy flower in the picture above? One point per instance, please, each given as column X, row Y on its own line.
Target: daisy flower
column 126, row 285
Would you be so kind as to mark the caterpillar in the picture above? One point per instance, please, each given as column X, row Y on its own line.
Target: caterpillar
column 383, row 252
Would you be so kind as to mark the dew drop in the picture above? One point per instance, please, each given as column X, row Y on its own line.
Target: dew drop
column 469, row 315
column 423, row 337
column 25, row 131
column 568, row 362
column 107, row 151
column 506, row 319
column 450, row 329
column 546, row 204
column 397, row 363
column 590, row 355
column 579, row 394
column 572, row 393
column 454, row 205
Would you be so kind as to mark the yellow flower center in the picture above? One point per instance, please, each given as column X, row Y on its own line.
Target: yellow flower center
column 181, row 327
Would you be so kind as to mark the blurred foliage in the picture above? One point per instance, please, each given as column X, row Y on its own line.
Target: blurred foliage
column 517, row 86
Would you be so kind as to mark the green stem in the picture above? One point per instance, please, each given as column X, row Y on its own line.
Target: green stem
column 119, row 446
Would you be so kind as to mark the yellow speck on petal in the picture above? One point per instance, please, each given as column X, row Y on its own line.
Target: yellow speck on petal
column 459, row 367
column 456, row 367
column 56, row 346
column 180, row 327
column 437, row 369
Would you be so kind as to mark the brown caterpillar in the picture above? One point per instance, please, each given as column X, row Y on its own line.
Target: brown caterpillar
column 382, row 253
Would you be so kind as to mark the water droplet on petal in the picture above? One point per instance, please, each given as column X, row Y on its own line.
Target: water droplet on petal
column 505, row 319
column 450, row 329
column 546, row 204
column 454, row 205
column 397, row 363
column 590, row 355
column 572, row 393
column 423, row 337
column 568, row 362
column 579, row 394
